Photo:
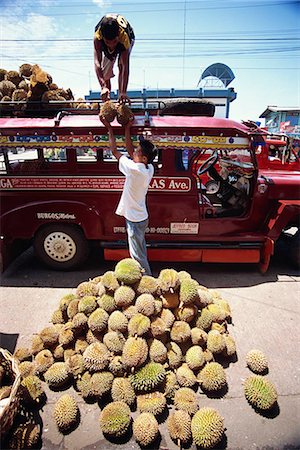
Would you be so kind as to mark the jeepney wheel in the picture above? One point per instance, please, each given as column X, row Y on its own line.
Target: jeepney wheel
column 61, row 246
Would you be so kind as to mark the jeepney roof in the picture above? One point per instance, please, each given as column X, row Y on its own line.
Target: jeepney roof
column 92, row 121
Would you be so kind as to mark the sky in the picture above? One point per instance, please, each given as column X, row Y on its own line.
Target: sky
column 175, row 42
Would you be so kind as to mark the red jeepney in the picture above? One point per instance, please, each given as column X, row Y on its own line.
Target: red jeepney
column 60, row 187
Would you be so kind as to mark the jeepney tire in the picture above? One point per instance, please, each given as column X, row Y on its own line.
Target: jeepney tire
column 61, row 246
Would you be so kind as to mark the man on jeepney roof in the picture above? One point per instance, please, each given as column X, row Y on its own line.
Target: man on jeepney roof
column 114, row 38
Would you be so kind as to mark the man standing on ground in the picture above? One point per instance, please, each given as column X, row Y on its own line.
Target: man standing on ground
column 138, row 172
column 114, row 38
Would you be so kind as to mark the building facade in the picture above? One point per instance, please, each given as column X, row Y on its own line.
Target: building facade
column 283, row 120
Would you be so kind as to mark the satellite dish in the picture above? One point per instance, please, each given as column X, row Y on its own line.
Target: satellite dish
column 220, row 71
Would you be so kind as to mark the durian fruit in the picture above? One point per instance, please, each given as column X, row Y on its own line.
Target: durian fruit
column 130, row 311
column 110, row 281
column 118, row 322
column 168, row 317
column 122, row 391
column 135, row 352
column 19, row 95
column 107, row 302
column 204, row 320
column 124, row 114
column 93, row 336
column 32, row 389
column 194, row 357
column 58, row 352
column 3, row 73
column 179, row 426
column 153, row 403
column 174, row 355
column 87, row 304
column 128, row 271
column 37, row 344
column 23, row 353
column 65, row 412
column 212, row 377
column 57, row 316
column 158, row 327
column 57, row 375
column 24, row 435
column 96, row 357
column 108, row 111
column 205, row 297
column 185, row 399
column 171, row 385
column 66, row 336
column 148, row 377
column 185, row 376
column 230, row 349
column 219, row 315
column 116, row 366
column 75, row 365
column 115, row 419
column 49, row 336
column 79, row 323
column 183, row 275
column 225, row 306
column 186, row 313
column 83, row 385
column 168, row 280
column 157, row 306
column 7, row 88
column 215, row 342
column 114, row 341
column 256, row 361
column 147, row 285
column 145, row 429
column 65, row 301
column 42, row 361
column 207, row 427
column 101, row 383
column 260, row 392
column 98, row 320
column 139, row 325
column 170, row 299
column 145, row 304
column 87, row 289
column 208, row 356
column 80, row 345
column 198, row 336
column 72, row 309
column 68, row 352
column 124, row 296
column 188, row 292
column 220, row 327
column 157, row 351
column 25, row 70
column 180, row 331
column 26, row 368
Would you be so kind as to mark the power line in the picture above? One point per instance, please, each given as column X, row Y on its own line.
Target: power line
column 163, row 39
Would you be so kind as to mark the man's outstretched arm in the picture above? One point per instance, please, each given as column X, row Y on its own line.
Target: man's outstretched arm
column 128, row 140
column 105, row 89
column 112, row 140
column 124, row 76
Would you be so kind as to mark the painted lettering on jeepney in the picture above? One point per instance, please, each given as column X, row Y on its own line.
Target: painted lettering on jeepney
column 212, row 139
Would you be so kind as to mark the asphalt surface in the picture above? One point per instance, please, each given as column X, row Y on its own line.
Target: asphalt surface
column 266, row 313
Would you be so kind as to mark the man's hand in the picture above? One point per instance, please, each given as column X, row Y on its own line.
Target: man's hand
column 123, row 99
column 105, row 94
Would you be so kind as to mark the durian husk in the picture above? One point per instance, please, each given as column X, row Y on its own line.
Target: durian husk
column 124, row 114
column 108, row 111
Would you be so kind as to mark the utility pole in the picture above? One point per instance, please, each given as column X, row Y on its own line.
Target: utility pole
column 183, row 52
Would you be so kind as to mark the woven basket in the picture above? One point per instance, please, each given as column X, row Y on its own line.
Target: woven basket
column 9, row 406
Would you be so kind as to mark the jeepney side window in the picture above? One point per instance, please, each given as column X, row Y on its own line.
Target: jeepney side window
column 21, row 159
column 184, row 158
column 86, row 154
column 55, row 154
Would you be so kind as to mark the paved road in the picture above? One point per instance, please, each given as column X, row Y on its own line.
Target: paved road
column 266, row 315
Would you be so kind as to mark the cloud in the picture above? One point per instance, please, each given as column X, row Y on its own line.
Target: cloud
column 102, row 3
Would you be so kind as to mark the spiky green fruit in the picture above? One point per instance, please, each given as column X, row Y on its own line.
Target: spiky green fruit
column 57, row 375
column 185, row 399
column 219, row 314
column 128, row 271
column 23, row 353
column 124, row 296
column 230, row 349
column 118, row 322
column 220, row 327
column 83, row 384
column 139, row 325
column 42, row 361
column 168, row 280
column 93, row 336
column 114, row 341
column 207, row 427
column 75, row 365
column 157, row 351
column 194, row 357
column 49, row 336
column 107, row 302
column 158, row 327
column 135, row 352
column 87, row 304
column 79, row 322
column 215, row 342
column 186, row 313
column 58, row 352
column 32, row 389
column 148, row 377
column 58, row 316
column 72, row 309
column 180, row 331
column 174, row 355
column 26, row 368
column 80, row 345
column 37, row 344
column 204, row 320
column 183, row 275
column 116, row 366
column 145, row 429
column 68, row 353
column 256, row 361
column 186, row 376
column 154, row 403
column 130, row 311
column 188, row 291
column 87, row 288
column 171, row 385
column 212, row 377
column 179, row 426
column 24, row 435
column 198, row 336
column 205, row 297
column 115, row 419
column 109, row 281
column 96, row 357
column 147, row 285
column 66, row 335
column 122, row 391
column 65, row 301
column 168, row 317
column 98, row 320
column 145, row 304
column 101, row 383
column 158, row 306
column 66, row 412
column 208, row 356
column 260, row 392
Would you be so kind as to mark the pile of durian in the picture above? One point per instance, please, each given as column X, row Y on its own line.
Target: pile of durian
column 110, row 110
column 32, row 87
column 138, row 343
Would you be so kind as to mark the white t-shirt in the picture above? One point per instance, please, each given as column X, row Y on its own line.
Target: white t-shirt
column 132, row 204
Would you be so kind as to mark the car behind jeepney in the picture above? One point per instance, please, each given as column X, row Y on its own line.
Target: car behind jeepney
column 209, row 200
